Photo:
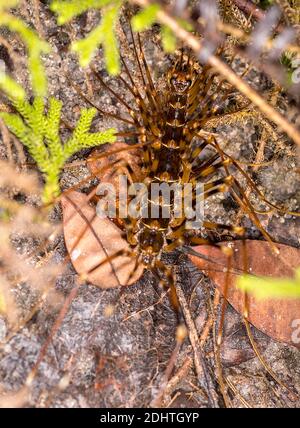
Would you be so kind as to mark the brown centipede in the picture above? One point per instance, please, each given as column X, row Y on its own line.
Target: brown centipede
column 167, row 125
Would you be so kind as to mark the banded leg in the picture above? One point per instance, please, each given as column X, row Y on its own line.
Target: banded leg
column 168, row 282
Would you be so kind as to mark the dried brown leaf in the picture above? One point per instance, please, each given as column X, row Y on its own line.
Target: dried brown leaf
column 275, row 317
column 91, row 243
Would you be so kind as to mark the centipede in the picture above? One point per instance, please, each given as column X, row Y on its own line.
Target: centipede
column 167, row 137
column 174, row 147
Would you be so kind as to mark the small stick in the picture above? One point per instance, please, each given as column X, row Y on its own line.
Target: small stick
column 179, row 375
column 199, row 360
column 250, row 8
column 162, row 391
column 37, row 19
column 210, row 322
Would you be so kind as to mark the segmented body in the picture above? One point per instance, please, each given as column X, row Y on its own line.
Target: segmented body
column 167, row 124
column 170, row 123
column 165, row 161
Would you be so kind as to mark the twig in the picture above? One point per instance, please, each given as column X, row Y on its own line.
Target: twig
column 236, row 392
column 199, row 360
column 21, row 158
column 250, row 8
column 179, row 375
column 36, row 17
column 239, row 34
column 15, row 57
column 162, row 390
column 133, row 314
column 210, row 322
column 259, row 158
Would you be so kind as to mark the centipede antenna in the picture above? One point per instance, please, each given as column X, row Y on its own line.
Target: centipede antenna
column 136, row 55
column 113, row 92
column 104, row 113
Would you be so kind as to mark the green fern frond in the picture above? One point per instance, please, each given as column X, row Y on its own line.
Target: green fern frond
column 146, row 18
column 84, row 123
column 37, row 73
column 86, row 48
column 109, row 41
column 16, row 126
column 52, row 129
column 81, row 138
column 168, row 39
column 271, row 288
column 103, row 34
column 39, row 132
column 11, row 87
column 35, row 47
column 67, row 10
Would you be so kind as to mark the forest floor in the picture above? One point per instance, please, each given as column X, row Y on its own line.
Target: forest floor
column 120, row 361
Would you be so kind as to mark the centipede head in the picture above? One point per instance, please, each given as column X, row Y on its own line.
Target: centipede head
column 181, row 76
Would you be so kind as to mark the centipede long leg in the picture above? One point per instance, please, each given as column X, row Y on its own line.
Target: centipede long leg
column 120, row 99
column 89, row 101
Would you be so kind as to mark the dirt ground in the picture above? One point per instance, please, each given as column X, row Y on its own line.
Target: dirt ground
column 120, row 361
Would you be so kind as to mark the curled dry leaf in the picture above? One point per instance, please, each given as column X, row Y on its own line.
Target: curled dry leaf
column 90, row 240
column 274, row 317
